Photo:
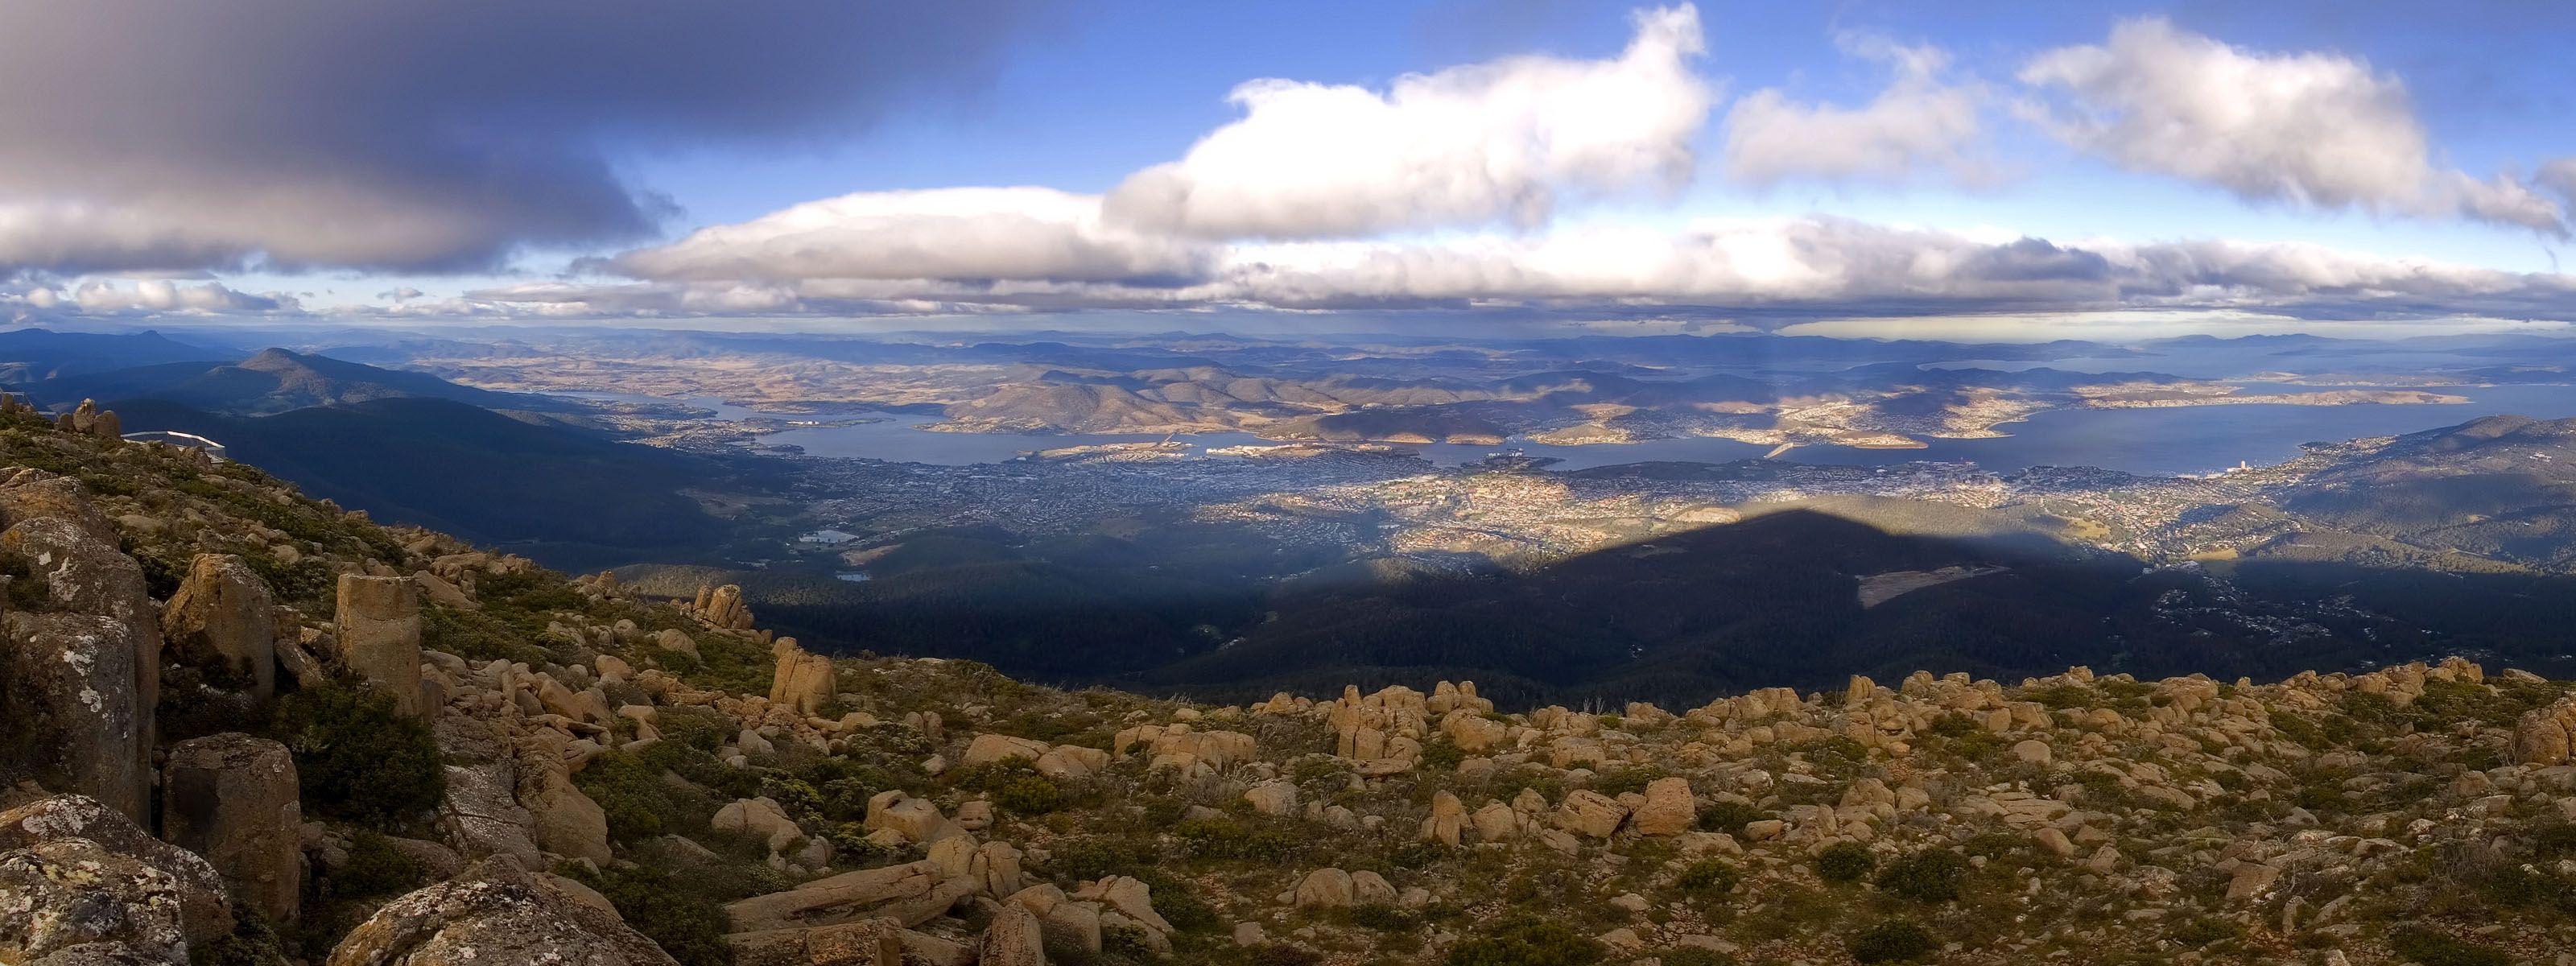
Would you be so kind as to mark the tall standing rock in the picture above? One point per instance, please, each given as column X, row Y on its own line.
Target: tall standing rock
column 232, row 798
column 222, row 615
column 75, row 676
column 379, row 636
column 803, row 681
column 87, row 658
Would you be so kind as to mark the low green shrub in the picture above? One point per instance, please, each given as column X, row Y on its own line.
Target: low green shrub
column 1845, row 862
column 1930, row 875
column 1627, row 780
column 1898, row 941
column 1708, row 878
column 1227, row 839
column 630, row 791
column 1729, row 817
column 2428, row 948
column 1527, row 942
column 687, row 924
column 357, row 758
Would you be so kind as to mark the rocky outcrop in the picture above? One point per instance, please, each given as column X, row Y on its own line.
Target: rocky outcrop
column 495, row 914
column 803, row 681
column 222, row 617
column 722, row 608
column 232, row 798
column 911, row 894
column 2547, row 736
column 378, row 629
column 79, row 879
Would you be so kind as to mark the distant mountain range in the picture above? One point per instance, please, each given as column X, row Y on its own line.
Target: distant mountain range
column 526, row 471
column 273, row 381
column 34, row 355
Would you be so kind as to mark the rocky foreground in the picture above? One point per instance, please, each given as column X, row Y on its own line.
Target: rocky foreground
column 248, row 728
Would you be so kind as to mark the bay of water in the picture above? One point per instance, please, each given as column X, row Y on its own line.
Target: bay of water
column 2183, row 439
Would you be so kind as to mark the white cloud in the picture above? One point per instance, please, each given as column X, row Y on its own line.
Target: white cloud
column 1919, row 123
column 2560, row 176
column 1485, row 143
column 951, row 233
column 2313, row 129
column 146, row 296
column 1809, row 265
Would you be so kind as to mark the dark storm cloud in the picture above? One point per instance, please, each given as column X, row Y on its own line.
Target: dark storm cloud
column 420, row 134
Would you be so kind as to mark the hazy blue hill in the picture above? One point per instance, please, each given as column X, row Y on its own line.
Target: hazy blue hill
column 2503, row 486
column 33, row 355
column 273, row 381
column 557, row 494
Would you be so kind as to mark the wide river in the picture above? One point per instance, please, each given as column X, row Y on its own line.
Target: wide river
column 2185, row 439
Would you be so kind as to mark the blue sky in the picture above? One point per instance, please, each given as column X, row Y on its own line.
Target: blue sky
column 596, row 220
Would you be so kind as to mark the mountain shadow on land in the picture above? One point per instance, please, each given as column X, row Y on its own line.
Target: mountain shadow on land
column 568, row 498
column 1773, row 600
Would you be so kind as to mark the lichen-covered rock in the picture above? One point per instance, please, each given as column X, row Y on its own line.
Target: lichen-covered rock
column 222, row 615
column 232, row 798
column 75, row 693
column 74, row 871
column 495, row 914
column 74, row 895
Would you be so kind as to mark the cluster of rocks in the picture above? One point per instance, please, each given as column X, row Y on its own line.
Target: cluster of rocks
column 722, row 608
column 86, row 419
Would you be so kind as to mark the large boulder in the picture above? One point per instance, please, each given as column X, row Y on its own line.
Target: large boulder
column 568, row 823
column 378, row 629
column 64, row 900
column 1590, row 813
column 74, row 711
column 495, row 914
column 1669, row 808
column 802, row 681
column 75, row 873
column 85, row 655
column 232, row 798
column 911, row 893
column 222, row 617
column 2547, row 736
column 1325, row 889
column 1013, row 939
